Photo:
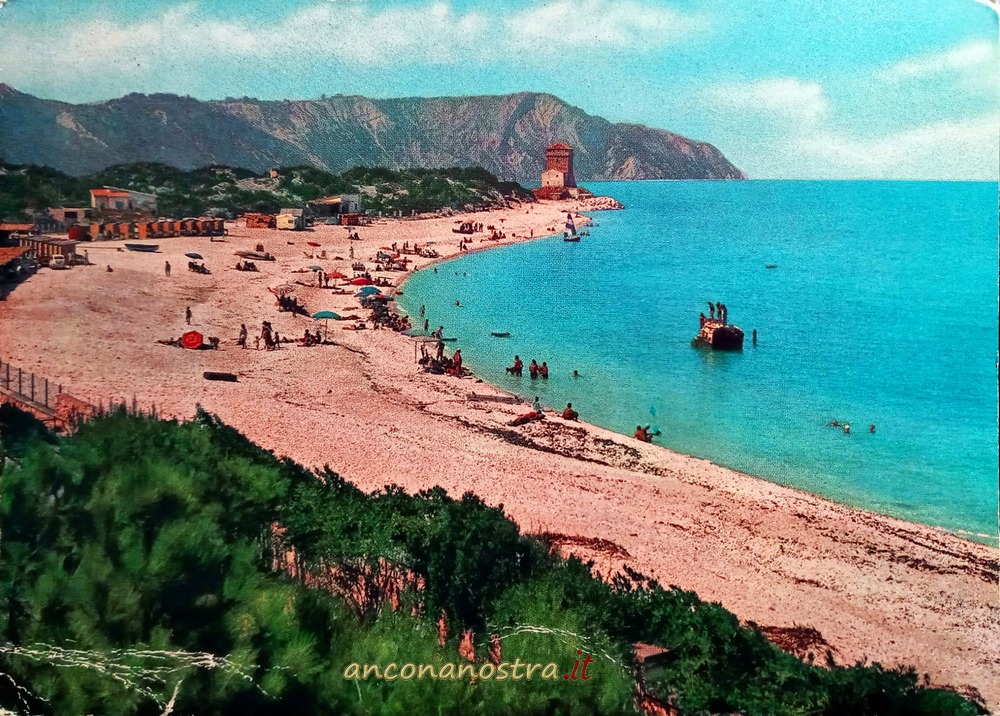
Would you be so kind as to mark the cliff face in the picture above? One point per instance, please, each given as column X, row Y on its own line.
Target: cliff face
column 506, row 134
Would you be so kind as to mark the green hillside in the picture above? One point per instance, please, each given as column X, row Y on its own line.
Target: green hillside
column 227, row 191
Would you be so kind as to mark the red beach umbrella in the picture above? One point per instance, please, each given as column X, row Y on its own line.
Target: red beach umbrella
column 192, row 340
column 336, row 274
column 362, row 282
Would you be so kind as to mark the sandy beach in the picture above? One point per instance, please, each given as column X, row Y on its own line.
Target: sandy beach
column 874, row 587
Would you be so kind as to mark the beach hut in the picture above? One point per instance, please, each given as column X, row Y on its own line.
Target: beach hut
column 288, row 222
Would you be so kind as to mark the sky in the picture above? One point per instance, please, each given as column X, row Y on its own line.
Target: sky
column 801, row 89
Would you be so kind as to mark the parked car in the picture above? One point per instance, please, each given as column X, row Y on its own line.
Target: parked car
column 58, row 262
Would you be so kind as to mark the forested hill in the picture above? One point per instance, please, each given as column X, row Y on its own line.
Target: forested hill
column 229, row 191
column 505, row 134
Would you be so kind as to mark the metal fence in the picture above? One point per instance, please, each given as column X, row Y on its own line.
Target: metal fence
column 25, row 386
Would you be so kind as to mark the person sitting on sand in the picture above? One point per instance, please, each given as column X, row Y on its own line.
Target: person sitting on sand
column 543, row 370
column 110, row 270
column 537, row 405
column 640, row 434
column 569, row 413
column 533, row 369
column 517, row 368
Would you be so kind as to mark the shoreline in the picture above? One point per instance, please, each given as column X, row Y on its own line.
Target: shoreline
column 989, row 540
column 873, row 585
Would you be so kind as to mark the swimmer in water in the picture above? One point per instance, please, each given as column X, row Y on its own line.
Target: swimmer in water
column 871, row 428
column 576, row 374
column 847, row 428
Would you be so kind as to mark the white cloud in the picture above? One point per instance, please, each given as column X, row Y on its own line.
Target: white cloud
column 182, row 40
column 966, row 149
column 586, row 24
column 973, row 56
column 782, row 98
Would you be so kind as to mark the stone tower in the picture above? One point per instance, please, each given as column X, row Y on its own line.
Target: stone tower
column 559, row 158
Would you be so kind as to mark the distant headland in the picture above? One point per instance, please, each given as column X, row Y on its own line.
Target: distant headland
column 505, row 134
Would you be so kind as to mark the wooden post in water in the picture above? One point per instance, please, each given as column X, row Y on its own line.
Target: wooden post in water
column 20, row 382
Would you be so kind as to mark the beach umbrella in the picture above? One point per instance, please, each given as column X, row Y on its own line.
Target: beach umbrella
column 284, row 289
column 311, row 243
column 367, row 291
column 325, row 316
column 193, row 255
column 315, row 268
column 192, row 340
column 335, row 274
column 362, row 282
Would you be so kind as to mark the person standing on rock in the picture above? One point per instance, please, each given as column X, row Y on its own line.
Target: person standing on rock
column 711, row 311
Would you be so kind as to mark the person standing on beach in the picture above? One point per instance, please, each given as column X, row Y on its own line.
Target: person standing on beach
column 187, row 315
column 242, row 340
column 166, row 268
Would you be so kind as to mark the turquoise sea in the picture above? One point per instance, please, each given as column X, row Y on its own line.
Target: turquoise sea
column 882, row 309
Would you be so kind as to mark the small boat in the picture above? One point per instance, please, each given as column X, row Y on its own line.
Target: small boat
column 500, row 334
column 213, row 375
column 771, row 266
column 571, row 239
column 148, row 248
column 255, row 255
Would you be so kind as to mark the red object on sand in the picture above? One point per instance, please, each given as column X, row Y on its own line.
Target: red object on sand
column 311, row 243
column 362, row 282
column 335, row 274
column 192, row 340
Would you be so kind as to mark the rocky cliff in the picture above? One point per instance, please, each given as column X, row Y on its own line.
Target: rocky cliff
column 505, row 134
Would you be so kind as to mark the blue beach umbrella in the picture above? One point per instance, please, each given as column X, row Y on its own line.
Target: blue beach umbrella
column 326, row 316
column 367, row 291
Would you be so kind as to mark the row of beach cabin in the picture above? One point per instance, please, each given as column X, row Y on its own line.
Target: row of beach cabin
column 147, row 229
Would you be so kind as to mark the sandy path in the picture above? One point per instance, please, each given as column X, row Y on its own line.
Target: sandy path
column 874, row 586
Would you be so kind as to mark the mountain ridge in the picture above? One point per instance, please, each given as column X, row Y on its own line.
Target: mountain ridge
column 505, row 134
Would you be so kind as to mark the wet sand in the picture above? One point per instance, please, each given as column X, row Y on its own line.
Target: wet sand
column 874, row 587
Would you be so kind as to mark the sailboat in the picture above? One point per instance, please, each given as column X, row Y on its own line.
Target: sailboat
column 570, row 234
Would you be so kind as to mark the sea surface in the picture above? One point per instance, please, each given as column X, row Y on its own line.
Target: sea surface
column 882, row 310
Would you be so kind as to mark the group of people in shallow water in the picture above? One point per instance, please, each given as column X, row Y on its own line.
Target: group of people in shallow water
column 534, row 369
column 846, row 427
